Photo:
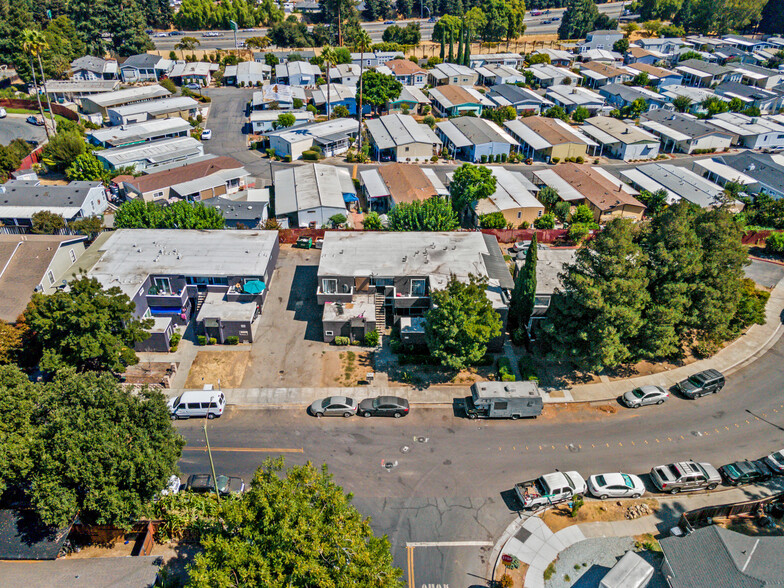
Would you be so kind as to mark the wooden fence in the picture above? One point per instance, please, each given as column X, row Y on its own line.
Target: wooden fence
column 703, row 516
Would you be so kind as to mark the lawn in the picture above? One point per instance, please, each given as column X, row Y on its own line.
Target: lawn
column 57, row 117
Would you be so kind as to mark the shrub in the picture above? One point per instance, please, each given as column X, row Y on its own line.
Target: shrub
column 483, row 158
column 310, row 155
column 527, row 369
column 355, row 343
column 555, row 159
column 341, row 341
column 506, row 581
column 503, row 157
column 372, row 338
column 213, row 341
column 545, row 222
column 505, row 370
column 271, row 153
column 287, row 159
column 232, row 340
column 202, row 340
column 578, row 232
column 434, row 159
column 549, row 572
column 775, row 243
column 580, row 159
column 577, row 504
column 174, row 341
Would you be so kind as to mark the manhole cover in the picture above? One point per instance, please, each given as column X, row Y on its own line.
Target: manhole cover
column 573, row 448
column 405, row 449
column 421, row 439
column 523, row 534
column 388, row 465
column 696, row 433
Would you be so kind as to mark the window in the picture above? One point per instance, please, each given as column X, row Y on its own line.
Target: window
column 540, row 212
column 50, row 275
column 501, row 405
column 163, row 285
column 72, row 253
column 418, row 287
column 519, row 214
column 374, row 281
column 158, row 194
column 329, row 333
column 193, row 405
column 329, row 286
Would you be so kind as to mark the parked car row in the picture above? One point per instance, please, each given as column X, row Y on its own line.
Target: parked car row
column 700, row 384
column 203, row 484
column 672, row 478
column 390, row 406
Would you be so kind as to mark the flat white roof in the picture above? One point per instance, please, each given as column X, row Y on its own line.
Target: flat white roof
column 173, row 104
column 510, row 191
column 129, row 95
column 128, row 256
column 375, row 187
column 311, row 186
column 395, row 130
column 564, row 188
column 141, row 131
column 153, row 152
column 318, row 130
column 665, row 131
column 725, row 172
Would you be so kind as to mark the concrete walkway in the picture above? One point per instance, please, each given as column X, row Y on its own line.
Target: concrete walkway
column 534, row 543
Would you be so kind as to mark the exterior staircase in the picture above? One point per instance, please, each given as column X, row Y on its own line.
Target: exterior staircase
column 381, row 313
column 199, row 302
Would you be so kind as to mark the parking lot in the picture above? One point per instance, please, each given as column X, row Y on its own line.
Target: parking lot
column 288, row 350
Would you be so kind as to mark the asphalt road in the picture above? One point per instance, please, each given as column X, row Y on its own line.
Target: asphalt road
column 14, row 127
column 451, row 478
column 534, row 25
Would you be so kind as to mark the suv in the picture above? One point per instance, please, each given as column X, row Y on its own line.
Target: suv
column 702, row 383
column 745, row 472
column 203, row 484
column 685, row 476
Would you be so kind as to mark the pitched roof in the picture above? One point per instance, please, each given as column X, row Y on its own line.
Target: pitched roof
column 186, row 173
column 141, row 61
column 399, row 129
column 24, row 260
column 596, row 187
column 511, row 94
column 476, row 131
column 704, row 67
column 311, row 186
column 683, row 124
column 548, row 129
column 619, row 131
column 603, row 69
column 407, row 183
column 404, row 67
column 659, row 72
column 453, row 95
column 736, row 560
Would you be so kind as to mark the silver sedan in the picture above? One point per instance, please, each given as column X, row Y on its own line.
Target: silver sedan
column 645, row 395
column 334, row 406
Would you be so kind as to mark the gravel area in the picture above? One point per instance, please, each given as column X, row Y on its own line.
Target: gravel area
column 595, row 557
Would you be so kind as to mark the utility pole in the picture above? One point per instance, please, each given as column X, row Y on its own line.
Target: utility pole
column 212, row 464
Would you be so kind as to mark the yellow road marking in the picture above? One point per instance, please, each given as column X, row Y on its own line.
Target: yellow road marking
column 682, row 437
column 250, row 449
column 657, row 441
column 646, row 442
column 669, row 439
column 620, row 444
column 632, row 443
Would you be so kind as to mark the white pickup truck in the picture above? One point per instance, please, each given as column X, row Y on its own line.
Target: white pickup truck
column 550, row 489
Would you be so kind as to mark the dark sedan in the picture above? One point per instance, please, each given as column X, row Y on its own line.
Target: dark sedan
column 203, row 484
column 744, row 472
column 390, row 406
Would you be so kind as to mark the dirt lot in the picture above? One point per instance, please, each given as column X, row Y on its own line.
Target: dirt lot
column 212, row 367
column 607, row 510
column 354, row 367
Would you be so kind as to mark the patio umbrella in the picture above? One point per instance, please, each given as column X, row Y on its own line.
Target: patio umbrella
column 254, row 287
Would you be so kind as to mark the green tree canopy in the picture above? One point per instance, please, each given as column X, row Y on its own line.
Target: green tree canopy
column 461, row 323
column 492, row 220
column 434, row 214
column 85, row 327
column 603, row 297
column 378, row 89
column 81, row 444
column 521, row 305
column 63, row 149
column 137, row 214
column 682, row 103
column 285, row 119
column 88, row 168
column 470, row 183
column 46, row 222
column 578, row 19
column 295, row 530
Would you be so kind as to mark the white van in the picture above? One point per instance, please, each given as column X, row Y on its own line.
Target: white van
column 197, row 403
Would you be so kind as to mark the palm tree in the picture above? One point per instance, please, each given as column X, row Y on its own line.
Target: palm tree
column 187, row 44
column 33, row 44
column 362, row 43
column 329, row 57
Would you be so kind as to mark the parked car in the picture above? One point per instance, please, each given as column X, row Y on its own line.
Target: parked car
column 744, row 472
column 775, row 462
column 685, row 476
column 3, row 112
column 644, row 395
column 197, row 403
column 389, row 22
column 32, row 142
column 384, row 406
column 334, row 406
column 206, row 135
column 616, row 485
column 172, row 486
column 550, row 489
column 35, row 120
column 701, row 383
column 193, row 86
column 520, row 246
column 203, row 484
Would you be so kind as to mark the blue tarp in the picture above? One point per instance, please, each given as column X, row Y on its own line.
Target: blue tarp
column 164, row 310
column 350, row 198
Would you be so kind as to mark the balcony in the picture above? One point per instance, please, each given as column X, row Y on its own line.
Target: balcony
column 323, row 297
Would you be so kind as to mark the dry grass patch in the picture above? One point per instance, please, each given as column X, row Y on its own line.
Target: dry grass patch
column 517, row 576
column 559, row 517
column 224, row 368
column 354, row 368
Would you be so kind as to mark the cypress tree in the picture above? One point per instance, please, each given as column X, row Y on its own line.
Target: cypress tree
column 441, row 54
column 460, row 45
column 522, row 304
column 451, row 46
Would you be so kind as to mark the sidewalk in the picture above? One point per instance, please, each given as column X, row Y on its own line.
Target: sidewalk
column 534, row 543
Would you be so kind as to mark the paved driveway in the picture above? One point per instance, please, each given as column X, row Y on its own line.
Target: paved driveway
column 227, row 121
column 14, row 127
column 288, row 350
